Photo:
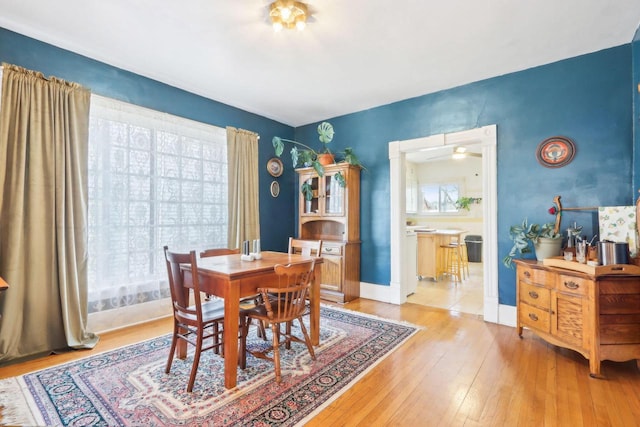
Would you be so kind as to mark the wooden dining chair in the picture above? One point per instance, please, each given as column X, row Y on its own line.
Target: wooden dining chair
column 291, row 293
column 195, row 324
column 305, row 247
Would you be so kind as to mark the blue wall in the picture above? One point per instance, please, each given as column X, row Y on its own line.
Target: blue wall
column 587, row 99
column 635, row 89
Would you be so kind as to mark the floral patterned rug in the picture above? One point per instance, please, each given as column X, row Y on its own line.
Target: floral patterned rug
column 128, row 386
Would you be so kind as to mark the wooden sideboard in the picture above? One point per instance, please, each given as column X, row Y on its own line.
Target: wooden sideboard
column 597, row 315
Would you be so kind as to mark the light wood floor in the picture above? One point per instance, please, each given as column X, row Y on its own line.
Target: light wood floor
column 466, row 296
column 457, row 371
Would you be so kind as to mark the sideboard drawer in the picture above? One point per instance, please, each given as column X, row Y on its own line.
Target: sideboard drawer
column 535, row 275
column 535, row 295
column 534, row 317
column 572, row 284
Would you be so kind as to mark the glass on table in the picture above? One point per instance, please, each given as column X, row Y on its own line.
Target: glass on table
column 568, row 256
column 581, row 252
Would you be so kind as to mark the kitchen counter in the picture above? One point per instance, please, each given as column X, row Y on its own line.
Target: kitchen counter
column 430, row 253
column 444, row 231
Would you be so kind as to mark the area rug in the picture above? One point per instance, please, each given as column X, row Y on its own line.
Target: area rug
column 128, row 386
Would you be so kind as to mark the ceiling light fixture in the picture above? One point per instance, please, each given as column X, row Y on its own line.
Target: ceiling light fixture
column 288, row 14
column 459, row 153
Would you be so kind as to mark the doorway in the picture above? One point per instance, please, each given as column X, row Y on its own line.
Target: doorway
column 483, row 139
column 441, row 177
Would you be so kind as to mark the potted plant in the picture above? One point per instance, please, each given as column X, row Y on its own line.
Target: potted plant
column 545, row 240
column 465, row 202
column 307, row 156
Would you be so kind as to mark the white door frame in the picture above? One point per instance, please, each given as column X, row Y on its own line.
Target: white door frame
column 485, row 137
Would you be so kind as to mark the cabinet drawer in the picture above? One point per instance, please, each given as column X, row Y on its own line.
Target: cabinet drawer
column 534, row 275
column 572, row 284
column 329, row 249
column 535, row 295
column 534, row 317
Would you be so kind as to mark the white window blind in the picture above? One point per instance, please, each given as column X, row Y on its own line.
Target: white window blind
column 154, row 179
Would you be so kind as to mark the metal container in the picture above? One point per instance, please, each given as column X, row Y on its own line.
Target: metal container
column 613, row 253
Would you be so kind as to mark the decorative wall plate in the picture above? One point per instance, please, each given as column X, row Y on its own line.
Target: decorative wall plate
column 556, row 152
column 275, row 189
column 275, row 167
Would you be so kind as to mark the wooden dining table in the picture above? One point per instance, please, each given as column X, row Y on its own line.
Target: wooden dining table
column 231, row 278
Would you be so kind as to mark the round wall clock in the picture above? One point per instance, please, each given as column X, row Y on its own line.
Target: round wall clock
column 275, row 167
column 556, row 152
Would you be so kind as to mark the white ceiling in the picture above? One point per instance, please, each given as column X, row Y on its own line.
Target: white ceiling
column 355, row 55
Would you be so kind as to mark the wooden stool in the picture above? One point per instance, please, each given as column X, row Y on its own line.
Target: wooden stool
column 452, row 261
column 464, row 259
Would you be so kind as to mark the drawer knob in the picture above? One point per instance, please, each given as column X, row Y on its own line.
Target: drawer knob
column 533, row 317
column 328, row 249
column 571, row 285
column 527, row 274
column 533, row 294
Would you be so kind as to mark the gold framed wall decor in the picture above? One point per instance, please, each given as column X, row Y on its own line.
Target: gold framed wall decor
column 275, row 189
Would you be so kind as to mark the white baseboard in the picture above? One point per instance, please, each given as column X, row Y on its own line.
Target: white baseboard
column 508, row 315
column 378, row 292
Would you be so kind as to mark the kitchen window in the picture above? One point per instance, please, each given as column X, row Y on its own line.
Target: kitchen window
column 439, row 198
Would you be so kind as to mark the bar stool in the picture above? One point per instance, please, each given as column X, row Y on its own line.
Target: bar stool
column 464, row 259
column 452, row 261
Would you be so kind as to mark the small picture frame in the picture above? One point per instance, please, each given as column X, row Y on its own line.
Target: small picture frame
column 556, row 152
column 275, row 167
column 275, row 189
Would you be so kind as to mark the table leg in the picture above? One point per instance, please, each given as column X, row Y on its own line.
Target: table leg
column 314, row 301
column 231, row 319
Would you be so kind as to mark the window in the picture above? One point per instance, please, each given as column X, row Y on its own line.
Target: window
column 439, row 198
column 154, row 180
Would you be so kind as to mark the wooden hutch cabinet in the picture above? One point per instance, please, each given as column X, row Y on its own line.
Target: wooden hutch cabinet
column 333, row 215
column 596, row 314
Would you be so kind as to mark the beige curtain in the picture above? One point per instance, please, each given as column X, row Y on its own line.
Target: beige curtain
column 244, row 213
column 43, row 214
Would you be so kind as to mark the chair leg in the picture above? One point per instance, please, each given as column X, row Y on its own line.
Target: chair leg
column 262, row 331
column 307, row 339
column 242, row 351
column 196, row 362
column 275, row 328
column 288, row 334
column 172, row 351
column 216, row 340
